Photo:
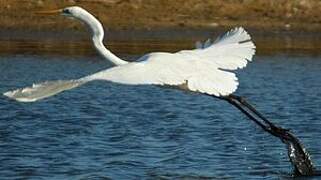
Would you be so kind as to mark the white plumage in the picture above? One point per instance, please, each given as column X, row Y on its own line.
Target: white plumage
column 200, row 70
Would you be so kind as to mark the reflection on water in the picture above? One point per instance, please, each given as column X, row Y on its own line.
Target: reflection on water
column 106, row 130
column 143, row 41
column 84, row 48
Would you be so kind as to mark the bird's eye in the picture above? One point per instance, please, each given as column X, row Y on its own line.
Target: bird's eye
column 66, row 11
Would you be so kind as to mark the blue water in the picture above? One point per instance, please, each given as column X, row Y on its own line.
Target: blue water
column 109, row 131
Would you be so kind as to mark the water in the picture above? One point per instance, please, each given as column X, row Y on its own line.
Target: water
column 108, row 131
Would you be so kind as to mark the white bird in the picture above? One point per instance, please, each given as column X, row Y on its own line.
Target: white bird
column 207, row 69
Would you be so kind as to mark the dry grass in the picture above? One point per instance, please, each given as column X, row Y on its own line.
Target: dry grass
column 129, row 14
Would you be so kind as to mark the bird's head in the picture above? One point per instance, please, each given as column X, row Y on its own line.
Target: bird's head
column 75, row 12
column 72, row 11
column 82, row 15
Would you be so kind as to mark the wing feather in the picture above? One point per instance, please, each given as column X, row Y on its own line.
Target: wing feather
column 201, row 70
column 231, row 51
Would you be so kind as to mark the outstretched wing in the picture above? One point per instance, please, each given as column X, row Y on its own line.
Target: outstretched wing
column 230, row 51
column 199, row 70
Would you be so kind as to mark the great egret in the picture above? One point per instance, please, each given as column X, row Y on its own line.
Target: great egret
column 206, row 69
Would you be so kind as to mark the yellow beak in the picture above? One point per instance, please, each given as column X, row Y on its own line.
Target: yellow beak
column 50, row 12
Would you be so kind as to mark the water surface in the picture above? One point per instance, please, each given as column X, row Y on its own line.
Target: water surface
column 106, row 130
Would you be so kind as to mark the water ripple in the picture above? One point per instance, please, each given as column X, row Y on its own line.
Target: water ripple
column 108, row 131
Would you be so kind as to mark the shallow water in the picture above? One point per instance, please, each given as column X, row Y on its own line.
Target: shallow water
column 106, row 130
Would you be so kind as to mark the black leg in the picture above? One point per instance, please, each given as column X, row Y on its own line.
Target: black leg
column 250, row 107
column 298, row 156
column 238, row 105
column 275, row 130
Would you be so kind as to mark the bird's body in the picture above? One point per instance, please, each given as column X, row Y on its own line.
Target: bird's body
column 194, row 69
column 206, row 69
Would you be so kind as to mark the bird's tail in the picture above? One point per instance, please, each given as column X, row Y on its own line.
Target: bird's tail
column 43, row 90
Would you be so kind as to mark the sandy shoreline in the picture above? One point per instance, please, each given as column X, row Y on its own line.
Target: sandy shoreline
column 293, row 15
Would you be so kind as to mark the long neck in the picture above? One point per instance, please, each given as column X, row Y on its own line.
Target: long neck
column 97, row 31
column 103, row 51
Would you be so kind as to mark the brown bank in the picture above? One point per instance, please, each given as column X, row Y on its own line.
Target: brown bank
column 276, row 14
column 275, row 24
